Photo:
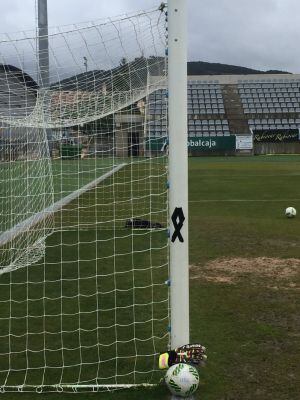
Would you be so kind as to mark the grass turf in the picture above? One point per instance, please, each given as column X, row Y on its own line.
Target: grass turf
column 251, row 328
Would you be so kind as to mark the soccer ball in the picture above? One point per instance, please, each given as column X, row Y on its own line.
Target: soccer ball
column 290, row 212
column 182, row 379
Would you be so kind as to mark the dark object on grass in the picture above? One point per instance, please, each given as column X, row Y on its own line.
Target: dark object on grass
column 142, row 224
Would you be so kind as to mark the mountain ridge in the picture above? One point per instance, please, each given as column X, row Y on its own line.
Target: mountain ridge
column 134, row 74
column 208, row 68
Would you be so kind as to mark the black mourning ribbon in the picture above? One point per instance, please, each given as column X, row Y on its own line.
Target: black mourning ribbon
column 178, row 220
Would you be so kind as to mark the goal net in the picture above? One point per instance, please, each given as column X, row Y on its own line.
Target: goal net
column 83, row 206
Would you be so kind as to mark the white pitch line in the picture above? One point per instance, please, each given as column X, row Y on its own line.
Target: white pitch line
column 28, row 223
column 248, row 176
column 241, row 200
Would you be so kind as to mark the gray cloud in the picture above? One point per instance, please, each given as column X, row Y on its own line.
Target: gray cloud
column 262, row 34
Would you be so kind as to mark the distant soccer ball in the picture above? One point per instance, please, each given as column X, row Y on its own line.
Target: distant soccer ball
column 182, row 380
column 290, row 212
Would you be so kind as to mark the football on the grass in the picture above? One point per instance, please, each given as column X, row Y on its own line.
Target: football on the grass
column 182, row 380
column 290, row 212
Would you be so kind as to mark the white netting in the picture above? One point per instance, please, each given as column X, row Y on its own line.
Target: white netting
column 83, row 205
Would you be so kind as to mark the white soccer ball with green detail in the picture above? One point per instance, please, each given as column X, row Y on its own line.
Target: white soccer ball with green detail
column 290, row 212
column 182, row 379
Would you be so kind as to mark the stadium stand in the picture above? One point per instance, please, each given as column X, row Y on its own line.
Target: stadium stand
column 205, row 110
column 217, row 105
column 204, row 98
column 222, row 105
column 158, row 113
column 274, row 123
column 270, row 98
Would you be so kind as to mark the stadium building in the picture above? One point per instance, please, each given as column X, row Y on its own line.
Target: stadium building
column 241, row 114
column 263, row 108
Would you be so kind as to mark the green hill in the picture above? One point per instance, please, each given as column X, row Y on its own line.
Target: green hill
column 134, row 74
column 207, row 68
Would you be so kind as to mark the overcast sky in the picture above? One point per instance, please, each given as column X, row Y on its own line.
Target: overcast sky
column 262, row 34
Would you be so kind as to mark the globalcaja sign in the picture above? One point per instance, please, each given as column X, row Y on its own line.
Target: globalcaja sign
column 208, row 144
column 276, row 136
column 211, row 144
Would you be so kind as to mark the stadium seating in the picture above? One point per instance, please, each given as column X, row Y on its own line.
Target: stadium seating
column 204, row 98
column 204, row 101
column 208, row 127
column 274, row 123
column 270, row 98
column 266, row 102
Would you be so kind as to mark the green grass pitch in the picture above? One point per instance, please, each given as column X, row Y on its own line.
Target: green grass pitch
column 244, row 287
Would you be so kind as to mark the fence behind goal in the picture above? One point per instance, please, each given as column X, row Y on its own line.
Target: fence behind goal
column 84, row 208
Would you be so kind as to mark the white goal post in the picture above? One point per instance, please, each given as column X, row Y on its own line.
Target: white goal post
column 178, row 172
column 93, row 201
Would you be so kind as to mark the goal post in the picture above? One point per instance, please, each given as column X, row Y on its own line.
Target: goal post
column 178, row 172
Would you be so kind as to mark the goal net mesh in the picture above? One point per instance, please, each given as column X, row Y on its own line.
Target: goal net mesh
column 83, row 205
